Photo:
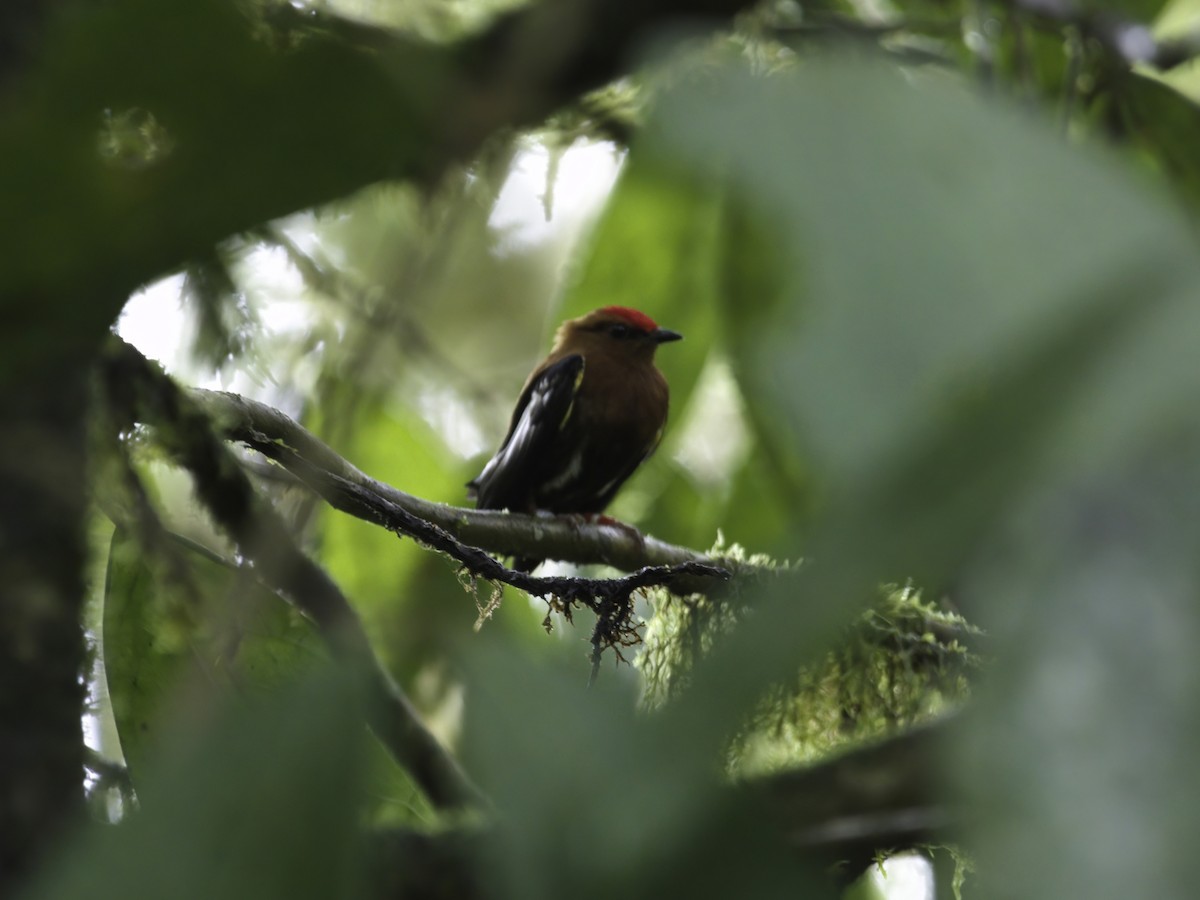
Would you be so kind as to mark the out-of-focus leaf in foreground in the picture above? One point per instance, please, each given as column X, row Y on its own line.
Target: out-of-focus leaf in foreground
column 261, row 802
column 981, row 332
column 599, row 803
column 935, row 261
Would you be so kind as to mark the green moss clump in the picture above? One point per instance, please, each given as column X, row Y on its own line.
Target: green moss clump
column 902, row 661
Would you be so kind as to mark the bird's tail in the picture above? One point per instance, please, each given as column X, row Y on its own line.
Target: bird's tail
column 526, row 563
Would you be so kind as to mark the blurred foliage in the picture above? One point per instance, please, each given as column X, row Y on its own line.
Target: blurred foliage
column 248, row 800
column 1164, row 125
column 186, row 632
column 936, row 270
column 980, row 317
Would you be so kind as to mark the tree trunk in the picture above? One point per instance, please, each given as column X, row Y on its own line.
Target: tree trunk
column 43, row 395
column 42, row 509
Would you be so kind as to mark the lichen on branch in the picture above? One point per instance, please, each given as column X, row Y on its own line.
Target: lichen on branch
column 901, row 662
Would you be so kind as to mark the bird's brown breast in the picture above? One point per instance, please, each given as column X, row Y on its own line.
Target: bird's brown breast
column 626, row 402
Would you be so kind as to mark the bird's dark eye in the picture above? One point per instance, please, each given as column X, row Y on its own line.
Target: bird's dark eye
column 619, row 331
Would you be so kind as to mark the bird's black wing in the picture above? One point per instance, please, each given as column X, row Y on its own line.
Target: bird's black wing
column 510, row 477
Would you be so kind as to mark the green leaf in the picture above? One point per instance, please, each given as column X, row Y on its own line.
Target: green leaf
column 983, row 345
column 599, row 802
column 230, row 127
column 255, row 800
column 915, row 266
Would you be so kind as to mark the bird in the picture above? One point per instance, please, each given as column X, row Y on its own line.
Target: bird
column 587, row 417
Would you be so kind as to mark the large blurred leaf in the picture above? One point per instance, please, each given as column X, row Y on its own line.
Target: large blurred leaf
column 1093, row 725
column 254, row 136
column 257, row 800
column 975, row 316
column 599, row 803
column 918, row 267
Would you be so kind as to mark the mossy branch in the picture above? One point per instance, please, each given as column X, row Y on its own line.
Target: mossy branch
column 278, row 437
column 139, row 391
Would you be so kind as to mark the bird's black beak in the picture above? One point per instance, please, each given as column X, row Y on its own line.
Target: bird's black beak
column 665, row 335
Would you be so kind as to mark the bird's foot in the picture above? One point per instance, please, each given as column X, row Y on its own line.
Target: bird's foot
column 602, row 519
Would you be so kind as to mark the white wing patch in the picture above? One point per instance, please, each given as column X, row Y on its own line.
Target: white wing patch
column 574, row 392
column 513, row 474
column 569, row 474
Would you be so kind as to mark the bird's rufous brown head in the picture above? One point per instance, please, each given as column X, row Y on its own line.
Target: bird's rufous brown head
column 614, row 329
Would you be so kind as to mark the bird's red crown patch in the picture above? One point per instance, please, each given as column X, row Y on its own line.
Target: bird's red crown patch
column 634, row 317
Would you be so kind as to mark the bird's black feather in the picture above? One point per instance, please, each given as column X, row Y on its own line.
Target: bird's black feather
column 509, row 479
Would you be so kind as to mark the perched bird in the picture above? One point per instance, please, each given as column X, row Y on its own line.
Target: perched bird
column 585, row 420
